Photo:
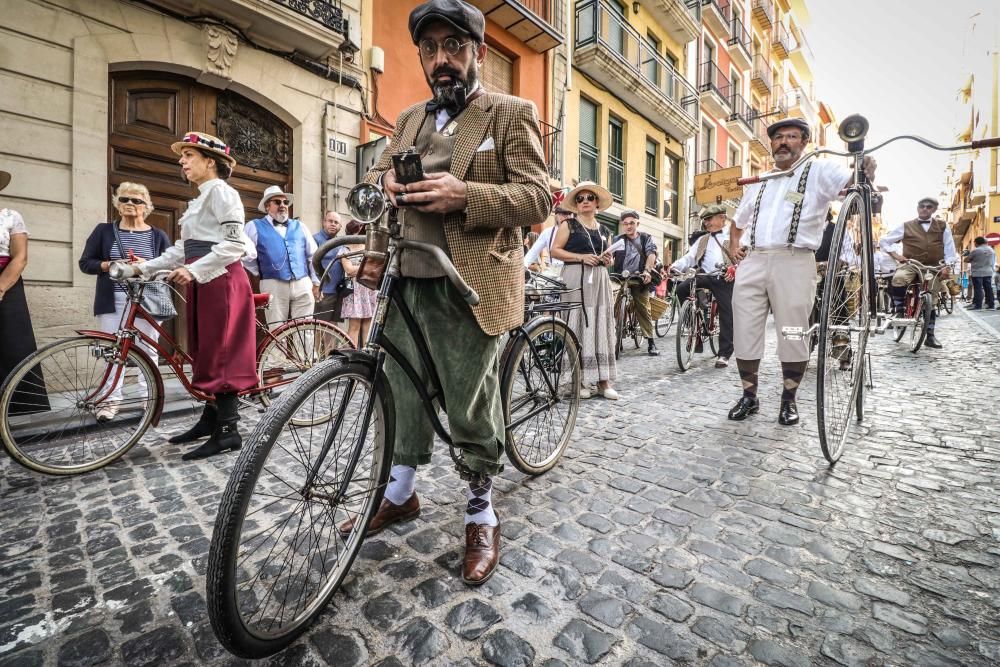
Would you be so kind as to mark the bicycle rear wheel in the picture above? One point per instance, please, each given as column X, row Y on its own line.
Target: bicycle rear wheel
column 687, row 330
column 621, row 312
column 918, row 332
column 663, row 324
column 949, row 303
column 278, row 554
column 713, row 329
column 50, row 402
column 843, row 337
column 540, row 389
column 633, row 326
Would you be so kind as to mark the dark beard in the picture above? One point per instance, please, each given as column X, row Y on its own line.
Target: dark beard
column 452, row 94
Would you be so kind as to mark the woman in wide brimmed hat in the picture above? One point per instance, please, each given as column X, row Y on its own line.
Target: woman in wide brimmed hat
column 221, row 323
column 583, row 245
column 15, row 320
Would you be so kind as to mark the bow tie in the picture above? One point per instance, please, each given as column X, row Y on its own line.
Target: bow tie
column 451, row 107
column 716, row 233
column 281, row 224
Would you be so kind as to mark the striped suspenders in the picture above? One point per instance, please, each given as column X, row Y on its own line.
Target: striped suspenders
column 793, row 230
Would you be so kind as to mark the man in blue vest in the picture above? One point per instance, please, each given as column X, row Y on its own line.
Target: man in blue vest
column 284, row 253
column 328, row 306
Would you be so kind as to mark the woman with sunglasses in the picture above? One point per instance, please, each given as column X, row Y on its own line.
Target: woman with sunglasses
column 583, row 245
column 130, row 239
column 220, row 312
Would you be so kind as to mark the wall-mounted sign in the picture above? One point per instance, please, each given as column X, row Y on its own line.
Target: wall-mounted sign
column 713, row 185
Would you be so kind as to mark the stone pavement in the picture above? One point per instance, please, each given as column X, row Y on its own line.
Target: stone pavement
column 667, row 535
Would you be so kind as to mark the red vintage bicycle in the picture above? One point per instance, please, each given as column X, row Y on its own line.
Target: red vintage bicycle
column 114, row 374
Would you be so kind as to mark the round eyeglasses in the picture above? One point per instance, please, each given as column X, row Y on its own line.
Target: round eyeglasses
column 451, row 46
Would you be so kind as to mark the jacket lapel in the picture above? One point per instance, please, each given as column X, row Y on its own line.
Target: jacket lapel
column 408, row 135
column 472, row 126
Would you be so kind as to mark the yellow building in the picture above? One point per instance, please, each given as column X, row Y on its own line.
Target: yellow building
column 630, row 110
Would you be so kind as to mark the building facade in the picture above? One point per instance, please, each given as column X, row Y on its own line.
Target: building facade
column 95, row 93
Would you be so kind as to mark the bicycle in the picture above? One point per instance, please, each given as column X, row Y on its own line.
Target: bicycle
column 917, row 305
column 626, row 321
column 840, row 393
column 883, row 299
column 664, row 322
column 80, row 375
column 945, row 300
column 697, row 321
column 280, row 549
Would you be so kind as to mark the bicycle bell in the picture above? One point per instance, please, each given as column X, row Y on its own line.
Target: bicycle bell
column 367, row 202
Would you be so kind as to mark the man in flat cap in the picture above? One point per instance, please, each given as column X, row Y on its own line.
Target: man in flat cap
column 928, row 240
column 705, row 254
column 484, row 178
column 638, row 257
column 778, row 226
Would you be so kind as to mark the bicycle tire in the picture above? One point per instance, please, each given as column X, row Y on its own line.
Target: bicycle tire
column 619, row 326
column 44, row 440
column 635, row 331
column 713, row 334
column 687, row 331
column 839, row 360
column 663, row 323
column 525, row 388
column 949, row 303
column 269, row 449
column 918, row 332
column 293, row 350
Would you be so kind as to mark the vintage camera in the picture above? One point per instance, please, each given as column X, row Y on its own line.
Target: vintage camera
column 408, row 166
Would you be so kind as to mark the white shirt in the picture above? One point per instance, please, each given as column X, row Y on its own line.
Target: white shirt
column 253, row 266
column 826, row 179
column 11, row 223
column 203, row 220
column 884, row 263
column 713, row 254
column 896, row 235
column 543, row 242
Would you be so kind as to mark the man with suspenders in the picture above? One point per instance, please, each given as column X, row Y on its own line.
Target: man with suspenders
column 778, row 226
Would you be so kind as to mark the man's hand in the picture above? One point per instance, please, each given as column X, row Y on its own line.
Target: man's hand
column 945, row 273
column 316, row 292
column 899, row 258
column 439, row 192
column 390, row 186
column 180, row 276
column 868, row 166
column 739, row 254
column 646, row 278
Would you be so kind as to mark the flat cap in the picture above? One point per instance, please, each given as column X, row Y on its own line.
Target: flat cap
column 463, row 16
column 929, row 200
column 788, row 122
column 712, row 211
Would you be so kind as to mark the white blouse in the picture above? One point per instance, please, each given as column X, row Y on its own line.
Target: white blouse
column 11, row 223
column 203, row 220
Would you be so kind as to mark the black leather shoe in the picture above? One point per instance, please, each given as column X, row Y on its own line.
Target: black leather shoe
column 788, row 414
column 204, row 427
column 652, row 351
column 744, row 408
column 932, row 342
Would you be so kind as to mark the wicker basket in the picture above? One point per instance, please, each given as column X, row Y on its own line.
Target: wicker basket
column 657, row 307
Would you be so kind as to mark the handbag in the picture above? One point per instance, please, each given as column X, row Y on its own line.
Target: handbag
column 345, row 287
column 156, row 299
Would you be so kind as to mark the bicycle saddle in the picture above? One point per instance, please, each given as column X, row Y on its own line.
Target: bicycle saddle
column 261, row 300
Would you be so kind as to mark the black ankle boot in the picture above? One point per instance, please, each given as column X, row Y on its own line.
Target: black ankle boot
column 651, row 348
column 204, row 427
column 226, row 435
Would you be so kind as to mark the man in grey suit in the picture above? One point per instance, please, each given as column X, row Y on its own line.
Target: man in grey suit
column 981, row 262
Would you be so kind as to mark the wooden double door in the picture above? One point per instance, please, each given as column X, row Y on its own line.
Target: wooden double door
column 150, row 111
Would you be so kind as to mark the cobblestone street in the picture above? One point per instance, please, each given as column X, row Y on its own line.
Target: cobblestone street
column 667, row 534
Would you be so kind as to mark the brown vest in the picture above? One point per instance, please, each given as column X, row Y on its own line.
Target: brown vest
column 435, row 155
column 925, row 247
column 703, row 247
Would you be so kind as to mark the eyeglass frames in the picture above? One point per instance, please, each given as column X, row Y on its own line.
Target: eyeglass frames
column 451, row 46
column 132, row 200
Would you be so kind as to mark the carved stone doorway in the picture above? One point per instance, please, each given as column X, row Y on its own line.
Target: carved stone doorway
column 151, row 110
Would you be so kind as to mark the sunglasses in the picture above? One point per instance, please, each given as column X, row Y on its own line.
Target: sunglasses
column 280, row 202
column 132, row 200
column 582, row 198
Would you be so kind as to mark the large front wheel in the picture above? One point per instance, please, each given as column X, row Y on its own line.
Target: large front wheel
column 687, row 332
column 843, row 336
column 298, row 502
column 918, row 332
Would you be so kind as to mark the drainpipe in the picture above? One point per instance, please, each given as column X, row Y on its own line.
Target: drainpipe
column 325, row 170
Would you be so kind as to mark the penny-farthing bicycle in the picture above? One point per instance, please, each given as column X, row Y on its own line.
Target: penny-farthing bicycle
column 848, row 312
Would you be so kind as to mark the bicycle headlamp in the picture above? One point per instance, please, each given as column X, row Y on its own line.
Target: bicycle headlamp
column 366, row 202
column 853, row 128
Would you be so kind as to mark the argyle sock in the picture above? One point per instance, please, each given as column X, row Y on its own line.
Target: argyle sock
column 480, row 507
column 791, row 373
column 748, row 376
column 402, row 480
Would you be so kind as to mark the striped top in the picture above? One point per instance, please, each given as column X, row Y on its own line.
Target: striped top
column 140, row 243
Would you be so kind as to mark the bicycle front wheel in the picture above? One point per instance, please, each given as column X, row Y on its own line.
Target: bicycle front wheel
column 663, row 324
column 621, row 313
column 843, row 336
column 76, row 406
column 687, row 331
column 918, row 332
column 540, row 389
column 298, row 502
column 949, row 303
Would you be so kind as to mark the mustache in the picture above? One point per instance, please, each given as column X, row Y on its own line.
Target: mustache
column 444, row 70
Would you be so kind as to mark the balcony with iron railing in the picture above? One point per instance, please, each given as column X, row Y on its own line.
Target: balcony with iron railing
column 680, row 18
column 781, row 41
column 740, row 43
column 540, row 24
column 615, row 55
column 705, row 166
column 779, row 104
column 801, row 53
column 738, row 121
column 715, row 89
column 760, row 75
column 717, row 15
column 763, row 13
column 552, row 148
column 652, row 195
column 760, row 143
column 801, row 102
column 616, row 178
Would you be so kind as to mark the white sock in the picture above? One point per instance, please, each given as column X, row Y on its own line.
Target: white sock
column 480, row 507
column 402, row 480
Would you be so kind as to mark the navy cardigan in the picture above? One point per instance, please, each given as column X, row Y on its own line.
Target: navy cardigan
column 97, row 250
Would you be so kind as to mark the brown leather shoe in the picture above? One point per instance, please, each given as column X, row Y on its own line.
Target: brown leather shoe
column 482, row 553
column 388, row 513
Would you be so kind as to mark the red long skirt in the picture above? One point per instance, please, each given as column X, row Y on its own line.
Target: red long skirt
column 222, row 333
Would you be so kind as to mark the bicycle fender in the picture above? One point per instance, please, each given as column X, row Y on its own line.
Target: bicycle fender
column 160, row 398
column 354, row 356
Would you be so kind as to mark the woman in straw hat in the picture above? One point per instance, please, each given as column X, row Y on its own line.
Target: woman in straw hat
column 18, row 339
column 220, row 312
column 583, row 245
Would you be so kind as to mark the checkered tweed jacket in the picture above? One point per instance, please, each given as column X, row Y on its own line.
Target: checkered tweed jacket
column 507, row 189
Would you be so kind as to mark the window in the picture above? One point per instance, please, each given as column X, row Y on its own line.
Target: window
column 497, row 73
column 736, row 80
column 709, row 52
column 652, row 178
column 707, row 146
column 615, row 17
column 616, row 164
column 651, row 60
column 671, row 185
column 671, row 82
column 735, row 158
column 588, row 140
